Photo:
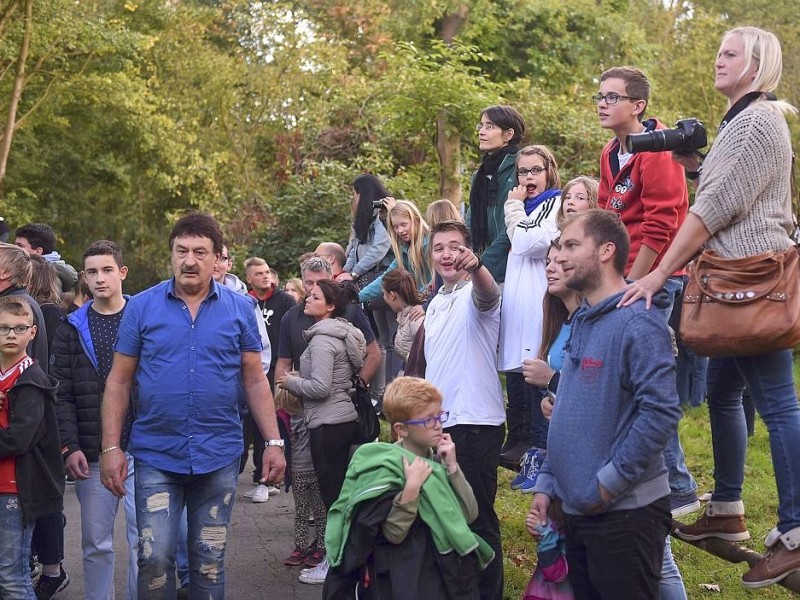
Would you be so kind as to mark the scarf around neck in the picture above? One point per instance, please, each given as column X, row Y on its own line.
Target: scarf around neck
column 484, row 194
column 531, row 204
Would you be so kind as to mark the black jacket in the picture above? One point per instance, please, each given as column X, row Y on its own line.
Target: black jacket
column 32, row 436
column 408, row 571
column 80, row 391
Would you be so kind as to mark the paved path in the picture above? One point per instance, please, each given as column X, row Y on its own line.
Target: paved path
column 262, row 535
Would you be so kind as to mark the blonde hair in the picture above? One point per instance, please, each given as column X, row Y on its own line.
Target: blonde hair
column 297, row 284
column 286, row 400
column 16, row 261
column 405, row 395
column 592, row 191
column 419, row 231
column 442, row 210
column 763, row 47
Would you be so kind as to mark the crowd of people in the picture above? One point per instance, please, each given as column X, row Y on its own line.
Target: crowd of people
column 566, row 293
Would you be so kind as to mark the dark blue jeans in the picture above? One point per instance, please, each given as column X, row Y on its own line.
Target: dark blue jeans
column 524, row 402
column 681, row 482
column 160, row 499
column 769, row 380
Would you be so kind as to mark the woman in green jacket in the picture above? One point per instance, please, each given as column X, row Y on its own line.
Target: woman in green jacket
column 499, row 135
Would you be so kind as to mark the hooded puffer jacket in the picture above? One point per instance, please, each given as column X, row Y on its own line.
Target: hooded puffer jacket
column 336, row 351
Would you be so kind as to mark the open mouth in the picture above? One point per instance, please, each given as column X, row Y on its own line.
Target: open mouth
column 530, row 190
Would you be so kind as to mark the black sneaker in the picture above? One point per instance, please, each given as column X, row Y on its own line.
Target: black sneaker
column 47, row 587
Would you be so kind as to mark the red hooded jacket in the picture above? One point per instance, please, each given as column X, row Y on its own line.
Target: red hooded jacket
column 649, row 195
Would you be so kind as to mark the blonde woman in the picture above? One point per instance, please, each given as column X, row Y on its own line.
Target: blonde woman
column 743, row 208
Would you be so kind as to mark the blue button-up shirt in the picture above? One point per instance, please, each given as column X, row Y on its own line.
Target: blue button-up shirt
column 189, row 376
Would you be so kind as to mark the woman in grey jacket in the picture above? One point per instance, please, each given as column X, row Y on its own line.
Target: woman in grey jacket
column 335, row 352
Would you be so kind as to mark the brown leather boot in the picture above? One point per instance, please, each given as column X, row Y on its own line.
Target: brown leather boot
column 781, row 558
column 724, row 520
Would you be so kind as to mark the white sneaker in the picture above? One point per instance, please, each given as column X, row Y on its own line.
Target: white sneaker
column 251, row 493
column 273, row 490
column 316, row 575
column 261, row 494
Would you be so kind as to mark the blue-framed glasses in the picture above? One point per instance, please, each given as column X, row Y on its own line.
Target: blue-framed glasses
column 430, row 422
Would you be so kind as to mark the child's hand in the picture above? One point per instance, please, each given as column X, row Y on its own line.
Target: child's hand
column 537, row 515
column 417, row 472
column 446, row 450
column 517, row 194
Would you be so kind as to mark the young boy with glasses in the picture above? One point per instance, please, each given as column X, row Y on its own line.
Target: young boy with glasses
column 31, row 469
column 409, row 505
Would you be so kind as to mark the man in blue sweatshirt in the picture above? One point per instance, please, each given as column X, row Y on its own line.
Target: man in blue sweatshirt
column 615, row 411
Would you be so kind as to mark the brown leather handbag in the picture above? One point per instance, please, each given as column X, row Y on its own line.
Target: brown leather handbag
column 742, row 306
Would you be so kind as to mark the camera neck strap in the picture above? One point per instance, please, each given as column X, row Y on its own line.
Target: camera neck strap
column 741, row 104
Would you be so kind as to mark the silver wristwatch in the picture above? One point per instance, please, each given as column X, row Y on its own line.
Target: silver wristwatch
column 278, row 443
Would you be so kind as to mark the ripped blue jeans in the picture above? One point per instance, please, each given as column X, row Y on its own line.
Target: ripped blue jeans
column 160, row 498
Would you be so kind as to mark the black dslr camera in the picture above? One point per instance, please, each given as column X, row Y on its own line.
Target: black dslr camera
column 688, row 136
column 378, row 203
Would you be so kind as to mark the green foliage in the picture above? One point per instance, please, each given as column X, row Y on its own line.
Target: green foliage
column 132, row 113
column 313, row 207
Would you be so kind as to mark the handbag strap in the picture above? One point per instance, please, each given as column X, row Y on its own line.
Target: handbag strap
column 795, row 204
column 701, row 282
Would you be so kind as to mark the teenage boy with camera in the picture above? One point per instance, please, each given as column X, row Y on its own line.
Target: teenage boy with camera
column 648, row 191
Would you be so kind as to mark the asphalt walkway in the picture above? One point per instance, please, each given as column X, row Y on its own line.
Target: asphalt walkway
column 262, row 535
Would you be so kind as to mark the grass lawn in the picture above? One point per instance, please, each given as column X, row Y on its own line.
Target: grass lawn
column 697, row 567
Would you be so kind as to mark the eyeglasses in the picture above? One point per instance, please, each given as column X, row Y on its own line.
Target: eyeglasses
column 18, row 329
column 611, row 98
column 430, row 422
column 486, row 127
column 532, row 171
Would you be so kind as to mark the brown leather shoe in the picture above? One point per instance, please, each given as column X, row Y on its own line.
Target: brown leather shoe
column 778, row 562
column 725, row 527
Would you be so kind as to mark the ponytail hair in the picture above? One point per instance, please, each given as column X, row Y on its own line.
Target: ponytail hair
column 402, row 283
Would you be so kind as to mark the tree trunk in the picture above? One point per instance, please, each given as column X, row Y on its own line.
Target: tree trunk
column 16, row 91
column 448, row 142
column 452, row 23
column 448, row 147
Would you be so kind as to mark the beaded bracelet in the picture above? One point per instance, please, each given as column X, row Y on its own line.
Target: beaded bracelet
column 107, row 450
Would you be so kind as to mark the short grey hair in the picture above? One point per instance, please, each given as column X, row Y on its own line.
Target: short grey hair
column 315, row 264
